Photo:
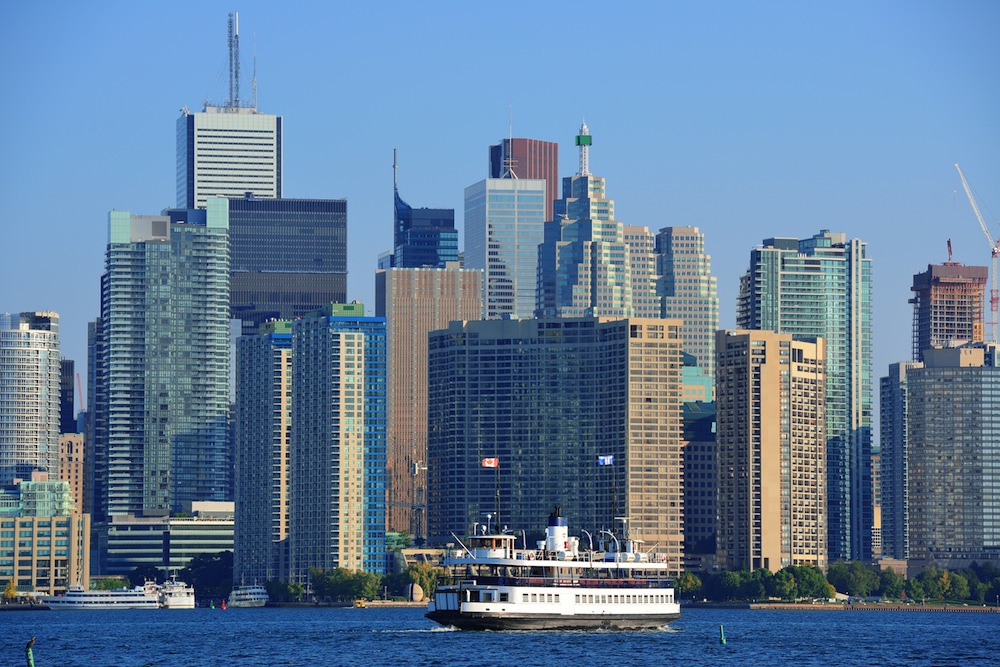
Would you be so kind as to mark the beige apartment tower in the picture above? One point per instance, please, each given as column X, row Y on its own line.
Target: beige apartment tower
column 770, row 397
column 414, row 303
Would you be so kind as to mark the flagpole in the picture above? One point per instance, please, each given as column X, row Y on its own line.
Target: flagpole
column 498, row 495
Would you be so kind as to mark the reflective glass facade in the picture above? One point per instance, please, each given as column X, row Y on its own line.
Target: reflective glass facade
column 337, row 485
column 423, row 237
column 262, row 453
column 548, row 397
column 162, row 373
column 822, row 287
column 504, row 223
column 288, row 257
column 953, row 457
column 689, row 293
column 893, row 460
column 29, row 395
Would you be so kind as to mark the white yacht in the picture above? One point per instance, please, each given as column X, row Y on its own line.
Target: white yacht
column 140, row 597
column 175, row 594
column 495, row 586
column 248, row 596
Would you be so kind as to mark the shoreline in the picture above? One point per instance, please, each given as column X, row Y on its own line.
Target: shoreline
column 866, row 606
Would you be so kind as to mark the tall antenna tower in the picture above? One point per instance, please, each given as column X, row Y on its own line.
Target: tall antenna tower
column 583, row 140
column 234, row 60
column 508, row 158
column 255, row 71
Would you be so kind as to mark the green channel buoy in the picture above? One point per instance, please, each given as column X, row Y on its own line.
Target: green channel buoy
column 722, row 635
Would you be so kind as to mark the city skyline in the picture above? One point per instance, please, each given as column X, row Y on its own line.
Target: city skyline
column 763, row 126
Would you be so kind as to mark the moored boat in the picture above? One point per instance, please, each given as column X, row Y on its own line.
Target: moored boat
column 495, row 586
column 248, row 596
column 140, row 597
column 175, row 594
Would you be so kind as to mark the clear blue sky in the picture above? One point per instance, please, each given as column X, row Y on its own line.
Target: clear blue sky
column 746, row 119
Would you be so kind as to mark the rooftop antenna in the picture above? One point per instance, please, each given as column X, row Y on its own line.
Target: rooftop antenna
column 395, row 167
column 584, row 141
column 234, row 60
column 255, row 70
column 508, row 160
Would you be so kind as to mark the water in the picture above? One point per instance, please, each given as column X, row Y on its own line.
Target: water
column 374, row 637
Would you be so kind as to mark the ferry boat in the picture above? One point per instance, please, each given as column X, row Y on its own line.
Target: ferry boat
column 558, row 586
column 140, row 597
column 248, row 596
column 175, row 594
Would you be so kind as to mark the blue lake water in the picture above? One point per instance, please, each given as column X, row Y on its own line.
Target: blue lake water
column 375, row 637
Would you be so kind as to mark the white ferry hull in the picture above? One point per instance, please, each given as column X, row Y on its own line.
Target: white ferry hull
column 513, row 621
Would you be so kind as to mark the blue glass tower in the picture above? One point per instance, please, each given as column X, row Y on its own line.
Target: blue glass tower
column 162, row 354
column 821, row 287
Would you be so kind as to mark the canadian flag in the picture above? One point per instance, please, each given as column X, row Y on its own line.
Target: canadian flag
column 491, row 462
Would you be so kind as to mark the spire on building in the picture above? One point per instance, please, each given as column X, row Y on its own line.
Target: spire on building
column 583, row 140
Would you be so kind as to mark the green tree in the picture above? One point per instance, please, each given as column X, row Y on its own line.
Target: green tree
column 782, row 585
column 891, row 584
column 210, row 574
column 424, row 575
column 915, row 590
column 959, row 589
column 107, row 584
column 688, row 584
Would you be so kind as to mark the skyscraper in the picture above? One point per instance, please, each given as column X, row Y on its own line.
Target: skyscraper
column 688, row 291
column 893, row 459
column 528, row 158
column 261, row 453
column 415, row 302
column 162, row 354
column 589, row 264
column 504, row 223
column 582, row 413
column 953, row 457
column 29, row 395
column 337, row 483
column 227, row 151
column 821, row 287
column 422, row 237
column 288, row 257
column 947, row 306
column 771, row 439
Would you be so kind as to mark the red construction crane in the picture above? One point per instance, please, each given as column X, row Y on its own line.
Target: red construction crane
column 995, row 249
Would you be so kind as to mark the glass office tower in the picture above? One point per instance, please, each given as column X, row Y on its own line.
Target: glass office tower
column 821, row 287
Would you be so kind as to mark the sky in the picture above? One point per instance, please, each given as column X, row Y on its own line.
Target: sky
column 747, row 120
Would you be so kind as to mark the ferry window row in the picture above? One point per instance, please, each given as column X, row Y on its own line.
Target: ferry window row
column 541, row 597
column 624, row 599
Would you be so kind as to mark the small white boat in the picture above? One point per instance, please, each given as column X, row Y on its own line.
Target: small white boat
column 176, row 595
column 558, row 586
column 248, row 596
column 140, row 597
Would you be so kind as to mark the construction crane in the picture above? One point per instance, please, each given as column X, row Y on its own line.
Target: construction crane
column 995, row 249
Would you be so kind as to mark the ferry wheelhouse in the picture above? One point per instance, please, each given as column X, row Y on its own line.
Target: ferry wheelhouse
column 495, row 586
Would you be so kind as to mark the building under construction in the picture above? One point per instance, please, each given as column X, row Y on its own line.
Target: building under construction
column 947, row 306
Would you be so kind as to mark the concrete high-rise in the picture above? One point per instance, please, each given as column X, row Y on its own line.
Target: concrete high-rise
column 953, row 457
column 415, row 302
column 688, row 291
column 583, row 413
column 528, row 158
column 227, row 151
column 893, row 459
column 288, row 257
column 504, row 223
column 821, row 287
column 29, row 395
column 161, row 382
column 589, row 264
column 262, row 453
column 947, row 306
column 337, row 482
column 771, row 443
